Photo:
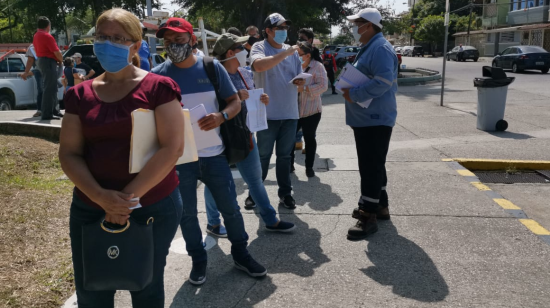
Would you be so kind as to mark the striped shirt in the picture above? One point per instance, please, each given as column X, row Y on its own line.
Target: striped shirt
column 310, row 99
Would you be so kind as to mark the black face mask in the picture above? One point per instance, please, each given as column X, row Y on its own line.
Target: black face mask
column 252, row 40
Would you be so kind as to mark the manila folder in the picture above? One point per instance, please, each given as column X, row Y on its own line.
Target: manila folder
column 145, row 144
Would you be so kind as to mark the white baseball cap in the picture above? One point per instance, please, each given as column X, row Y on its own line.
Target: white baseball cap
column 370, row 14
column 77, row 55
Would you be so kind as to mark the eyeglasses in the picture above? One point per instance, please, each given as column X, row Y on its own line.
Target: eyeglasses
column 240, row 48
column 113, row 39
column 281, row 27
column 173, row 23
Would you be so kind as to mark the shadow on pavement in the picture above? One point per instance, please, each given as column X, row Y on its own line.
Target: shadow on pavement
column 225, row 286
column 423, row 92
column 510, row 135
column 400, row 263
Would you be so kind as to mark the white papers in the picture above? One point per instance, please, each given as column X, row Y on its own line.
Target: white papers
column 136, row 199
column 256, row 119
column 144, row 142
column 305, row 76
column 203, row 139
column 351, row 77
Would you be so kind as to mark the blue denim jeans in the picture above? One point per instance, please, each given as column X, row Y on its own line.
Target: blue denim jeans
column 38, row 77
column 251, row 172
column 282, row 133
column 214, row 172
column 167, row 214
column 299, row 136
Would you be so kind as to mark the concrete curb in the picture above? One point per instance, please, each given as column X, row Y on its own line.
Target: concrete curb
column 508, row 207
column 431, row 76
column 45, row 131
column 498, row 164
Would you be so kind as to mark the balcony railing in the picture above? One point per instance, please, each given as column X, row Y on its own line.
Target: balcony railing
column 538, row 14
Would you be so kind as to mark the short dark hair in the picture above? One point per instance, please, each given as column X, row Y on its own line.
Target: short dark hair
column 43, row 22
column 68, row 61
column 234, row 30
column 307, row 32
column 252, row 28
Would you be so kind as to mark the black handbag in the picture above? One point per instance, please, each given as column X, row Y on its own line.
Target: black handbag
column 235, row 133
column 117, row 259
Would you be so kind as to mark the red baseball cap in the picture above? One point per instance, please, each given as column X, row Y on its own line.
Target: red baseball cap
column 175, row 24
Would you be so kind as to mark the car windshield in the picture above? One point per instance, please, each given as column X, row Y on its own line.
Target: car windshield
column 468, row 48
column 530, row 49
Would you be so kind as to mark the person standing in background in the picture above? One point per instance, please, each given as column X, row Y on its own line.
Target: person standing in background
column 83, row 69
column 330, row 66
column 145, row 59
column 196, row 51
column 49, row 58
column 31, row 69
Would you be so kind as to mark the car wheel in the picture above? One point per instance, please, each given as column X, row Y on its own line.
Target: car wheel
column 448, row 58
column 494, row 64
column 6, row 103
column 544, row 70
column 515, row 68
column 475, row 60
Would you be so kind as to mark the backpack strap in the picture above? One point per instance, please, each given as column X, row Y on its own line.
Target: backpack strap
column 210, row 69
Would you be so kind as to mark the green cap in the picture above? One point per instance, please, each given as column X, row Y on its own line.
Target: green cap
column 226, row 41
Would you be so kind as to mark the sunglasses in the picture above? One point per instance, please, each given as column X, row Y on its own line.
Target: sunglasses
column 173, row 23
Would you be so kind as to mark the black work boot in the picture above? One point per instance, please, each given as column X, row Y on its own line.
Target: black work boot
column 365, row 226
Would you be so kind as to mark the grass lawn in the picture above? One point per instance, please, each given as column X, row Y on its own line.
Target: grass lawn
column 35, row 253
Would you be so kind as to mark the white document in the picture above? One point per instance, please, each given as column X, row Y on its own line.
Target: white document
column 144, row 143
column 203, row 139
column 351, row 77
column 256, row 119
column 305, row 76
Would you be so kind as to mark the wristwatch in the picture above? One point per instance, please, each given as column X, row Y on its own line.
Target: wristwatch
column 225, row 115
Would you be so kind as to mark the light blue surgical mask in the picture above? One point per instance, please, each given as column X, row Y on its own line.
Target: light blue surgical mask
column 112, row 57
column 302, row 60
column 280, row 36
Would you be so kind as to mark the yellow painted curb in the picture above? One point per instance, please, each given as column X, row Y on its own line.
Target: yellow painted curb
column 465, row 172
column 502, row 164
column 480, row 186
column 534, row 227
column 507, row 205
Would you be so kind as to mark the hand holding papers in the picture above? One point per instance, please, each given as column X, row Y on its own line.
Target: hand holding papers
column 256, row 119
column 305, row 76
column 145, row 143
column 351, row 77
column 203, row 139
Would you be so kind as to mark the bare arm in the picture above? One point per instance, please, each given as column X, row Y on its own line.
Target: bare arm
column 71, row 152
column 59, row 56
column 90, row 74
column 214, row 120
column 28, row 66
column 170, row 123
column 150, row 63
column 267, row 63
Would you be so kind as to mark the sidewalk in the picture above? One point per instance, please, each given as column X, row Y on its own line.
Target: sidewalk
column 447, row 244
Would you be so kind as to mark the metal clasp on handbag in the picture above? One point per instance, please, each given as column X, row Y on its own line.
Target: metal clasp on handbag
column 150, row 220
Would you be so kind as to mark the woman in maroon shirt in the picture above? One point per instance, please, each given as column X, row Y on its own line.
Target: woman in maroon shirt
column 95, row 149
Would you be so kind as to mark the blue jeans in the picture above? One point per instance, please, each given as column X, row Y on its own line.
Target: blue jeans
column 214, row 172
column 282, row 132
column 299, row 136
column 251, row 172
column 167, row 214
column 38, row 77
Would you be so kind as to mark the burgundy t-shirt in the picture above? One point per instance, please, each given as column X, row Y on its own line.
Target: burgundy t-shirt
column 107, row 130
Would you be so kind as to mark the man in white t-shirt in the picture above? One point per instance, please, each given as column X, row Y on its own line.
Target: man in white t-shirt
column 274, row 64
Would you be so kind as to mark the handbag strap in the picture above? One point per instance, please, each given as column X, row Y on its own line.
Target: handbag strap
column 242, row 77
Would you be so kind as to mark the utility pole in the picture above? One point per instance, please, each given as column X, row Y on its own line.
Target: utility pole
column 152, row 40
column 9, row 21
column 470, row 21
column 445, row 51
column 412, row 24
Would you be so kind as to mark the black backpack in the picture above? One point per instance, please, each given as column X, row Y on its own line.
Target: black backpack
column 235, row 133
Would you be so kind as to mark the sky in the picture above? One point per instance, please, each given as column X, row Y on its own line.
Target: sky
column 398, row 5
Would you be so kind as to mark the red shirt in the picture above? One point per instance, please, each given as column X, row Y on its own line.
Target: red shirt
column 44, row 45
column 107, row 130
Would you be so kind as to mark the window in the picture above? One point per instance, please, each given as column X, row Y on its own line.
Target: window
column 16, row 65
column 159, row 59
column 507, row 37
column 4, row 66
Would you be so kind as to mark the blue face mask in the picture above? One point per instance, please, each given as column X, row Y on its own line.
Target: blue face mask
column 302, row 60
column 112, row 57
column 280, row 36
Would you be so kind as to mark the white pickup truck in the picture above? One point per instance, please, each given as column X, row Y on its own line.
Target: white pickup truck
column 14, row 91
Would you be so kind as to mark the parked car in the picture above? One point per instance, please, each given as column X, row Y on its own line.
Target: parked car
column 342, row 53
column 416, row 51
column 406, row 50
column 14, row 91
column 519, row 58
column 468, row 52
column 157, row 59
column 398, row 49
column 88, row 57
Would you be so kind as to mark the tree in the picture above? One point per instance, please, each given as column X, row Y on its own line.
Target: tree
column 315, row 14
column 425, row 8
column 342, row 40
column 431, row 30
